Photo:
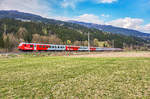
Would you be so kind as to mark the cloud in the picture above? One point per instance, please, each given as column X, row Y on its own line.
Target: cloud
column 70, row 3
column 105, row 15
column 30, row 6
column 106, row 1
column 90, row 18
column 126, row 22
column 73, row 3
column 130, row 23
column 145, row 28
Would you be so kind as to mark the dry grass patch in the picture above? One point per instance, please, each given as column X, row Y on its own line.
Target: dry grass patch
column 115, row 54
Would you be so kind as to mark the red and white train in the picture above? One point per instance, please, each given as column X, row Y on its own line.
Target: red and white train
column 52, row 47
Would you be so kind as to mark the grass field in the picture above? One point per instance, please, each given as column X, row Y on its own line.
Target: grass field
column 51, row 77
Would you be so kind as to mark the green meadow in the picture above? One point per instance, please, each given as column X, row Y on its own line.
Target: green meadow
column 60, row 77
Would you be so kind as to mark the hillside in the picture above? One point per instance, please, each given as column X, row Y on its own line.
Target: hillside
column 24, row 27
column 107, row 28
column 25, row 16
column 116, row 30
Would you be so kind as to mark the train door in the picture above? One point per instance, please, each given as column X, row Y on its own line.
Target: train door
column 52, row 48
column 35, row 47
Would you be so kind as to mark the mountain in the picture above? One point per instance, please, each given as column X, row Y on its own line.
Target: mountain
column 30, row 24
column 13, row 14
column 75, row 24
column 112, row 29
column 28, row 17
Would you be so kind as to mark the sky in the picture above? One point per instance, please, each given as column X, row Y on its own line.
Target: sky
column 131, row 14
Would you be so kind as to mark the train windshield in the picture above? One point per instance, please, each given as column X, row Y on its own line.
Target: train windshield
column 20, row 44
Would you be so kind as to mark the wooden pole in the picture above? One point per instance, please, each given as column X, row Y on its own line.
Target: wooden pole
column 89, row 42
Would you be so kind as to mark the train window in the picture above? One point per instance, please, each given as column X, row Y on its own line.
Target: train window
column 43, row 46
column 46, row 46
column 40, row 46
column 58, row 46
column 24, row 44
column 31, row 45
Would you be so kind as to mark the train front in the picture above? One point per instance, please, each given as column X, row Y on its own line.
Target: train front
column 26, row 46
column 20, row 47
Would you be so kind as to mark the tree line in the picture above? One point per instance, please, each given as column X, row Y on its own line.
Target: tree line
column 12, row 32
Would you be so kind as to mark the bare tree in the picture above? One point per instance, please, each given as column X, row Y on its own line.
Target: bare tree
column 52, row 39
column 96, row 42
column 85, row 43
column 77, row 43
column 10, row 41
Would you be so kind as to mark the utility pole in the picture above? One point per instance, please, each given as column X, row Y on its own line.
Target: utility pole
column 124, row 45
column 4, row 28
column 89, row 42
column 113, row 43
